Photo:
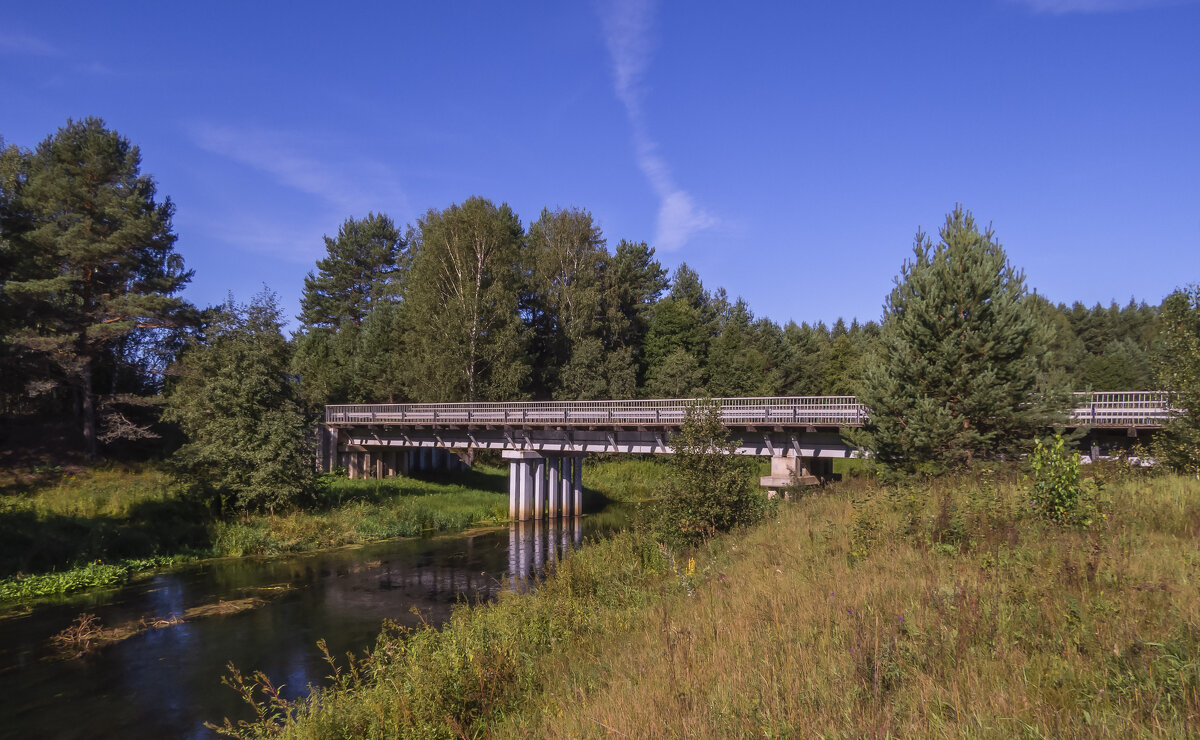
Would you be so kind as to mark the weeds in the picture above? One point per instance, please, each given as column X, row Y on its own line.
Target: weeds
column 92, row 575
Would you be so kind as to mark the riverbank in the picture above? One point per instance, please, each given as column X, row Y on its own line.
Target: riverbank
column 63, row 531
column 921, row 610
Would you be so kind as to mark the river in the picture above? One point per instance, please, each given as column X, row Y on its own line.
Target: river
column 166, row 682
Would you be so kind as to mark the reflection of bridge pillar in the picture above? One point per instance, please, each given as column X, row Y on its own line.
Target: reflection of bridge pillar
column 525, row 545
column 539, row 547
column 552, row 539
column 578, row 532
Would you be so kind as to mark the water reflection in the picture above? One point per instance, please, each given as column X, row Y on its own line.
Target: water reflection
column 535, row 545
column 166, row 683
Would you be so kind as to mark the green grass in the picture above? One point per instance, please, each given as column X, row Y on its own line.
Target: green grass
column 92, row 575
column 630, row 478
column 944, row 609
column 355, row 511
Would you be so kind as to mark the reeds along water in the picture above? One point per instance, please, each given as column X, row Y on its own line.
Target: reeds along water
column 536, row 545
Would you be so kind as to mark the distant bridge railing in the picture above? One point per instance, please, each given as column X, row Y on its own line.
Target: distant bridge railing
column 1136, row 409
column 1123, row 409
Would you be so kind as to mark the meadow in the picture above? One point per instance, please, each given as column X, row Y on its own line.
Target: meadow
column 941, row 609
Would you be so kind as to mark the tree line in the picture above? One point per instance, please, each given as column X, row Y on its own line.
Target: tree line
column 469, row 304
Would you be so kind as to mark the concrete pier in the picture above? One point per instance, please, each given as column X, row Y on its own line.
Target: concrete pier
column 553, row 486
column 789, row 470
column 544, row 485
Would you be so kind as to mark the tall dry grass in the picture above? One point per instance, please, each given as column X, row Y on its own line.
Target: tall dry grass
column 941, row 611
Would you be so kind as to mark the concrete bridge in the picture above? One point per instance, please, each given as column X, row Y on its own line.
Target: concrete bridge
column 545, row 441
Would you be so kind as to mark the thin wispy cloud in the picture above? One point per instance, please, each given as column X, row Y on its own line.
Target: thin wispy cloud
column 627, row 27
column 346, row 186
column 1062, row 7
column 18, row 43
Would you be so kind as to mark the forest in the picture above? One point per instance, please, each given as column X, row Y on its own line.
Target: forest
column 466, row 303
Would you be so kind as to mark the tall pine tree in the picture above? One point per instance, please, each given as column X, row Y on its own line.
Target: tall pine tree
column 363, row 268
column 101, row 261
column 956, row 375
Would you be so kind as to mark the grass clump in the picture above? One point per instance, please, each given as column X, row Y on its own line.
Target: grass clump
column 92, row 575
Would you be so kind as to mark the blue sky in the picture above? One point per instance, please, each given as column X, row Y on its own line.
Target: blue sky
column 787, row 151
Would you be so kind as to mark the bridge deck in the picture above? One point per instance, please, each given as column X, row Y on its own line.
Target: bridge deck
column 1118, row 410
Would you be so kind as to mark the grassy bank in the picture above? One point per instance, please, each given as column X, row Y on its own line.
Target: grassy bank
column 64, row 531
column 354, row 511
column 942, row 610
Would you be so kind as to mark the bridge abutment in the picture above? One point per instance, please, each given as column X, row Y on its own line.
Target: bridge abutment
column 790, row 470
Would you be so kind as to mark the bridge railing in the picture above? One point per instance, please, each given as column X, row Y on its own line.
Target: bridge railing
column 789, row 410
column 1122, row 408
column 1101, row 409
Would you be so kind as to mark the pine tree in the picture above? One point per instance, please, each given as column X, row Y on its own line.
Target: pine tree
column 101, row 259
column 956, row 374
column 248, row 444
column 736, row 366
column 1179, row 372
column 363, row 269
column 567, row 263
column 362, row 266
column 681, row 323
column 466, row 337
column 635, row 282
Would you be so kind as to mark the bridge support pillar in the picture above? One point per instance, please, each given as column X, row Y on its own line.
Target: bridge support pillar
column 512, row 489
column 522, row 466
column 787, row 471
column 564, row 487
column 553, row 487
column 327, row 446
column 539, row 488
column 577, row 486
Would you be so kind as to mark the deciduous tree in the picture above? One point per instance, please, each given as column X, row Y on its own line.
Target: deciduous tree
column 248, row 444
column 467, row 341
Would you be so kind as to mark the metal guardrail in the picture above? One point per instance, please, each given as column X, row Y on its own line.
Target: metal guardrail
column 1144, row 409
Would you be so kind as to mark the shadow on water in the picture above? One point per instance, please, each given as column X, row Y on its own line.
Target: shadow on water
column 166, row 682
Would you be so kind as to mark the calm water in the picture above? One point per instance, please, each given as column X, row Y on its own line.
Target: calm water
column 167, row 682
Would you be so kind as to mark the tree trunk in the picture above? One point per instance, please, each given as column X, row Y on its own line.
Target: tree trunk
column 88, row 408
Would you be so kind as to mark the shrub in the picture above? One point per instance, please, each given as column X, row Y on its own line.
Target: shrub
column 709, row 489
column 1059, row 494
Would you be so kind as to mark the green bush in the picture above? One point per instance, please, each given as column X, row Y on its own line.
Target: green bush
column 709, row 489
column 1059, row 494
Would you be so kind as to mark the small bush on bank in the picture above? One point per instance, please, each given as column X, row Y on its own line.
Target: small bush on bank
column 709, row 489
